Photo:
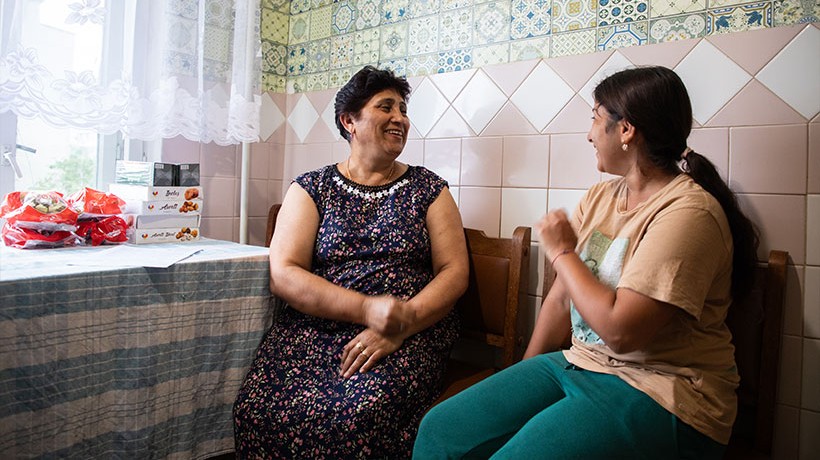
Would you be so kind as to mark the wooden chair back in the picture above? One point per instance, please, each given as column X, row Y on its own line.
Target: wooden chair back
column 499, row 277
column 273, row 212
column 756, row 324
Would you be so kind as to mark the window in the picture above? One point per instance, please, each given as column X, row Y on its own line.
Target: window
column 148, row 69
column 60, row 158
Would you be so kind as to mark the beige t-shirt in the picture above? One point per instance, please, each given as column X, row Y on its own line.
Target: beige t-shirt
column 676, row 247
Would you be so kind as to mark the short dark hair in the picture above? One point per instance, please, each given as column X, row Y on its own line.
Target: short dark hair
column 362, row 86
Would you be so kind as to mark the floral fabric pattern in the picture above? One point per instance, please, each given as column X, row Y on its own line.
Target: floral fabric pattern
column 294, row 402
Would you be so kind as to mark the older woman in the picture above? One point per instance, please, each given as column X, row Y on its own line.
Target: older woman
column 369, row 255
column 647, row 269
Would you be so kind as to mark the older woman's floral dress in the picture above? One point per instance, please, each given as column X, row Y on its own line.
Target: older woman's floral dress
column 294, row 403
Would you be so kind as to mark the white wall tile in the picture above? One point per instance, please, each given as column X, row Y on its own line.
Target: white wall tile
column 811, row 303
column 789, row 376
column 443, row 156
column 786, row 432
column 481, row 159
column 809, row 440
column 699, row 71
column 480, row 209
column 793, row 300
column 526, row 161
column 521, row 207
column 811, row 376
column 813, row 230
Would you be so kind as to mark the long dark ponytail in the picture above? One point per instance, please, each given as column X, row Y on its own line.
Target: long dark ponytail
column 655, row 101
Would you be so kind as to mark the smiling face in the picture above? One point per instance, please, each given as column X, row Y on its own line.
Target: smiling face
column 382, row 124
column 605, row 134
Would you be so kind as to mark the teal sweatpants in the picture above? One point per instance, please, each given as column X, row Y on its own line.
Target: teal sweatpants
column 546, row 408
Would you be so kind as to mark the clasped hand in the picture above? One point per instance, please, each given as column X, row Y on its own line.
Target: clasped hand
column 387, row 314
column 388, row 319
column 555, row 234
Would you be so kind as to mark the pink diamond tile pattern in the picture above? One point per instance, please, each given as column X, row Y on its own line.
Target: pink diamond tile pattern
column 773, row 83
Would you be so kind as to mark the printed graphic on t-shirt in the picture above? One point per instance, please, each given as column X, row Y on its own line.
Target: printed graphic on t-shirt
column 605, row 259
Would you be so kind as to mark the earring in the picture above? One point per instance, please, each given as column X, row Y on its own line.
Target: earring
column 625, row 147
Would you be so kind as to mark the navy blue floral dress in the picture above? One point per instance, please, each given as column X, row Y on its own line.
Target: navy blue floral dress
column 294, row 403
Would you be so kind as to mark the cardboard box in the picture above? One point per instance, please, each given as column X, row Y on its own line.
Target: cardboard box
column 130, row 192
column 147, row 173
column 164, row 235
column 165, row 221
column 189, row 207
column 187, row 174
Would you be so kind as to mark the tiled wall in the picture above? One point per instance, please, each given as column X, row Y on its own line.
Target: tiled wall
column 310, row 45
column 511, row 140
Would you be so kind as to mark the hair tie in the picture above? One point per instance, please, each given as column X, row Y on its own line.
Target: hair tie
column 685, row 153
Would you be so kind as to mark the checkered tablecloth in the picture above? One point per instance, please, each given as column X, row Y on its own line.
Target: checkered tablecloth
column 126, row 362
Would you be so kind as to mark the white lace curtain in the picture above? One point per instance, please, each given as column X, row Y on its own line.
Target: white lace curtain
column 168, row 67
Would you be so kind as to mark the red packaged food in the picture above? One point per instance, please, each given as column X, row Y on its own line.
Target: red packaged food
column 112, row 229
column 26, row 238
column 96, row 203
column 45, row 211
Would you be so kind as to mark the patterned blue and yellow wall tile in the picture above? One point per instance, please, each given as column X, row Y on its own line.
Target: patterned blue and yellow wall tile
column 420, row 8
column 788, row 12
column 633, row 33
column 394, row 11
column 274, row 58
column 274, row 26
column 491, row 23
column 318, row 56
column 296, row 60
column 660, row 8
column 344, row 17
column 320, row 22
column 341, row 51
column 369, row 14
column 398, row 66
column 530, row 18
column 425, row 64
column 491, row 54
column 621, row 11
column 299, row 6
column 572, row 43
column 393, row 41
column 309, row 43
column 531, row 48
column 677, row 28
column 455, row 29
column 366, row 45
column 568, row 15
column 453, row 61
column 299, row 29
column 739, row 18
column 423, row 35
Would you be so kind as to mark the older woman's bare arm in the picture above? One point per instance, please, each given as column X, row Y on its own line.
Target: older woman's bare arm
column 291, row 254
column 450, row 265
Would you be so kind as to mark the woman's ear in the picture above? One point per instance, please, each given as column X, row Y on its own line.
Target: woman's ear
column 347, row 123
column 627, row 131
